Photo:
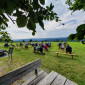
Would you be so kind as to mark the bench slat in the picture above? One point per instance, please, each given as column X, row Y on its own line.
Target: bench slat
column 60, row 80
column 69, row 82
column 32, row 77
column 48, row 79
column 16, row 74
column 39, row 78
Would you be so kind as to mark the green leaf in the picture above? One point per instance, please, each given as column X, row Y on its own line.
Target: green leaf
column 47, row 17
column 33, row 33
column 36, row 4
column 21, row 21
column 56, row 19
column 18, row 13
column 51, row 6
column 34, row 17
column 41, row 24
column 42, row 2
column 31, row 25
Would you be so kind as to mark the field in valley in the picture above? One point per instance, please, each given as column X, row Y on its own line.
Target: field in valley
column 73, row 69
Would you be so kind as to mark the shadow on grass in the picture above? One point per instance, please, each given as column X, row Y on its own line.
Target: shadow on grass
column 67, row 57
column 39, row 53
column 5, row 55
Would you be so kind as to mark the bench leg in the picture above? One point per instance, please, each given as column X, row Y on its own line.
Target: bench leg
column 72, row 56
column 57, row 54
column 36, row 72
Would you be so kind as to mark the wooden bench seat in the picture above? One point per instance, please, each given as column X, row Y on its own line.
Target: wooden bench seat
column 66, row 54
column 34, row 79
column 57, row 53
column 72, row 55
column 54, row 78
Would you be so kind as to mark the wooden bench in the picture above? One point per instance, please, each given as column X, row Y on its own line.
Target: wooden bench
column 66, row 54
column 72, row 55
column 57, row 53
column 10, row 77
column 69, row 54
column 54, row 78
column 40, row 77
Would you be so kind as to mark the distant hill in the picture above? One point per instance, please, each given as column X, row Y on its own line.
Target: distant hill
column 44, row 39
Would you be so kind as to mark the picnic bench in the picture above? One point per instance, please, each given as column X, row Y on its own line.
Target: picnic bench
column 2, row 52
column 66, row 54
column 39, row 78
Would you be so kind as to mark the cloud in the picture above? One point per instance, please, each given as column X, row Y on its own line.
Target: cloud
column 52, row 29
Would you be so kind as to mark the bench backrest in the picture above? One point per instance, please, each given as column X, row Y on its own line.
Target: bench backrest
column 20, row 72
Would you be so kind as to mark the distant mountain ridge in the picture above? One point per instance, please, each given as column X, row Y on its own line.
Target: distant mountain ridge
column 43, row 39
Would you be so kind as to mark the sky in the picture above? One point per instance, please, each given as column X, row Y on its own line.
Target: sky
column 53, row 29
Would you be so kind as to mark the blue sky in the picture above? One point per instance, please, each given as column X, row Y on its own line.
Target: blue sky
column 52, row 29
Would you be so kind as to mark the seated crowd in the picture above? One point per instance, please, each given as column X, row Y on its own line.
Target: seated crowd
column 65, row 46
column 39, row 47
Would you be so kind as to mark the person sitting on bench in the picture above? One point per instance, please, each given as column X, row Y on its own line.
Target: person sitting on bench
column 6, row 45
column 41, row 49
column 68, row 49
column 46, row 48
column 62, row 47
column 34, row 48
column 38, row 48
column 21, row 44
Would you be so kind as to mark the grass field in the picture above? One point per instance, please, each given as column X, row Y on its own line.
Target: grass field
column 73, row 69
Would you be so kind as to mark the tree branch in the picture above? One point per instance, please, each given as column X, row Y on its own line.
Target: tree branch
column 11, row 19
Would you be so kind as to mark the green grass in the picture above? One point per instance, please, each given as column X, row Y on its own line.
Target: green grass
column 73, row 69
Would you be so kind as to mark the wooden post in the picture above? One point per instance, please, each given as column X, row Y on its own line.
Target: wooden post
column 57, row 54
column 10, row 52
column 36, row 72
column 72, row 56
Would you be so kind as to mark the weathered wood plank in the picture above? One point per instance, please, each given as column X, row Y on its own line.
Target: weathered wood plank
column 31, row 78
column 69, row 82
column 60, row 80
column 16, row 77
column 35, row 81
column 16, row 74
column 48, row 79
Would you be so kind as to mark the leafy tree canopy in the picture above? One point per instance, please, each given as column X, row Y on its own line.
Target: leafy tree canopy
column 80, row 33
column 27, row 13
column 71, row 37
column 76, row 4
column 5, row 36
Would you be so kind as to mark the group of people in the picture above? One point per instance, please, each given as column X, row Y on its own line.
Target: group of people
column 65, row 46
column 6, row 45
column 40, row 46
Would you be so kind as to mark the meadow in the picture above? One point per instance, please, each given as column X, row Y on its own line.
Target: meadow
column 73, row 69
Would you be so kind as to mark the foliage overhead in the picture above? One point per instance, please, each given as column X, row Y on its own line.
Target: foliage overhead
column 80, row 33
column 71, row 37
column 5, row 36
column 27, row 13
column 76, row 4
